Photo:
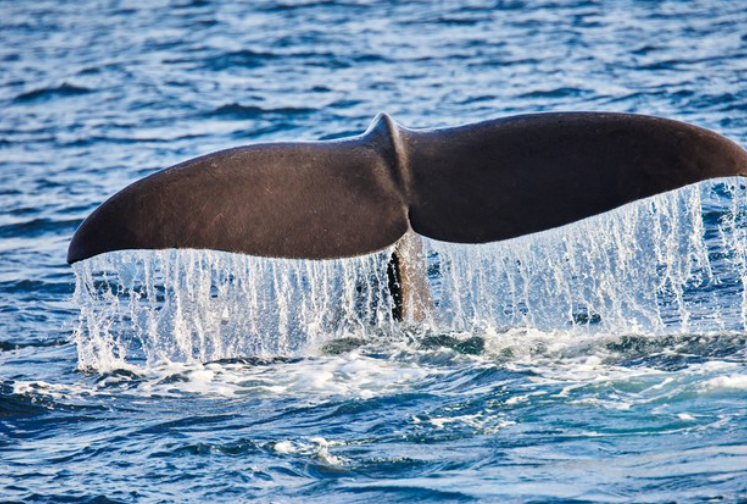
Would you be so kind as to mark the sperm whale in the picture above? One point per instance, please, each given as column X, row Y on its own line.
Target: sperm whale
column 477, row 183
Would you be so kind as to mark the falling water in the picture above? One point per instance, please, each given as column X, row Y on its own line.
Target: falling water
column 197, row 305
column 671, row 264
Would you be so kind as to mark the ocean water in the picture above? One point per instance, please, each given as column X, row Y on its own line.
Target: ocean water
column 605, row 361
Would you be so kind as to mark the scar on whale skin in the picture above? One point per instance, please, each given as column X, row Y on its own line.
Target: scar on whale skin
column 478, row 183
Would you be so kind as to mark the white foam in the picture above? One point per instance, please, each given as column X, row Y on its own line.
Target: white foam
column 485, row 422
column 350, row 375
column 731, row 382
column 315, row 447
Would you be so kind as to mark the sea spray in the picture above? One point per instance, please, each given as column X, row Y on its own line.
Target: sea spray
column 671, row 264
column 147, row 307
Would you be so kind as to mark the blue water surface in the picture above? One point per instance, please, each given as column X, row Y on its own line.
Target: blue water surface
column 95, row 94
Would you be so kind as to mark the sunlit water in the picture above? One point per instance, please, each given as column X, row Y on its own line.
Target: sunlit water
column 600, row 362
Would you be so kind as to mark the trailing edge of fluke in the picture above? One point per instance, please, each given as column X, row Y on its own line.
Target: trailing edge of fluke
column 478, row 183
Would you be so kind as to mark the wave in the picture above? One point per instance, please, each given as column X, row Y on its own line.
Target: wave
column 8, row 346
column 38, row 227
column 561, row 92
column 48, row 93
column 15, row 405
column 27, row 286
column 245, row 58
column 238, row 111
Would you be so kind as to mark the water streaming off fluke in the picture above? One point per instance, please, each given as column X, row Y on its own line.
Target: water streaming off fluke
column 674, row 263
column 197, row 305
column 671, row 264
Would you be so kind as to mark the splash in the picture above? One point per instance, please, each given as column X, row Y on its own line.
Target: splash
column 672, row 264
column 149, row 307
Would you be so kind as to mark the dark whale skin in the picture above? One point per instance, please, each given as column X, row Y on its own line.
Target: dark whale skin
column 478, row 183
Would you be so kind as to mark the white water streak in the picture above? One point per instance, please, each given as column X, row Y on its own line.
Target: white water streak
column 649, row 267
column 198, row 306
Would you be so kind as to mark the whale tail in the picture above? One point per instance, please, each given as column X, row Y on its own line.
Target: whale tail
column 478, row 183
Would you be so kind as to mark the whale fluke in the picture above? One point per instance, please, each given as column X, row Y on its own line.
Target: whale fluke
column 478, row 183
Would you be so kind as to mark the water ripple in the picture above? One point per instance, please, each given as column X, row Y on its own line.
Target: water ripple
column 49, row 93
